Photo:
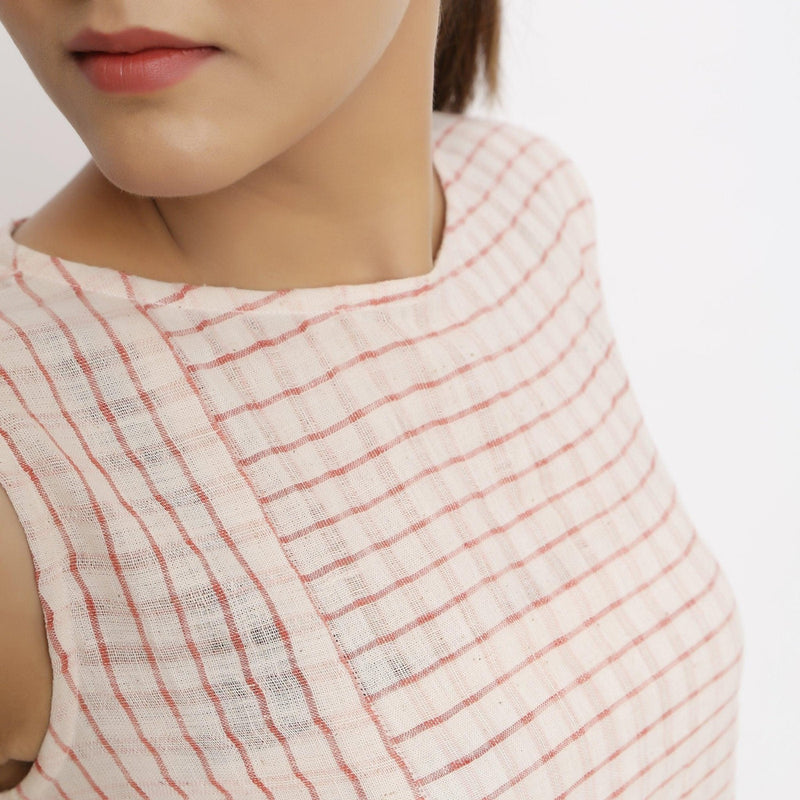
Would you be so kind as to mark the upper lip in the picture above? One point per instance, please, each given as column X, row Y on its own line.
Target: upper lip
column 130, row 40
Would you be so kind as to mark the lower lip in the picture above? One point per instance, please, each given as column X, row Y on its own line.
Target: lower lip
column 145, row 71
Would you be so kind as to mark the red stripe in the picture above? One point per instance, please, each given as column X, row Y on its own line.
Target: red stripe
column 18, row 789
column 527, row 724
column 92, row 613
column 642, row 732
column 108, row 415
column 724, row 787
column 443, row 380
column 564, row 638
column 463, row 760
column 468, row 646
column 61, row 267
column 364, row 458
column 730, row 727
column 51, row 731
column 379, row 544
column 224, row 440
column 64, row 659
column 460, row 503
column 41, row 770
column 108, row 538
column 284, row 632
column 723, row 760
column 76, row 761
column 269, row 342
column 431, row 614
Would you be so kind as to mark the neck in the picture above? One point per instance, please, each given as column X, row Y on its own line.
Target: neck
column 354, row 200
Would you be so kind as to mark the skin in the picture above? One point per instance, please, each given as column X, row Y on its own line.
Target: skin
column 25, row 673
column 298, row 156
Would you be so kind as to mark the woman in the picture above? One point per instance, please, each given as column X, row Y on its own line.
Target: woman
column 322, row 475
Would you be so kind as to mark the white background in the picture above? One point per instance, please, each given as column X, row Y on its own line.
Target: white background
column 684, row 118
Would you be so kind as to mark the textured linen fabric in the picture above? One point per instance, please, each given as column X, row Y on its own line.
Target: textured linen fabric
column 402, row 540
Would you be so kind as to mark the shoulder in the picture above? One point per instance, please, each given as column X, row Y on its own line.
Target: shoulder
column 527, row 146
column 528, row 175
column 523, row 159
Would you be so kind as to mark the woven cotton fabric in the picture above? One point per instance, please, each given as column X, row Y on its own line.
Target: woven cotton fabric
column 404, row 540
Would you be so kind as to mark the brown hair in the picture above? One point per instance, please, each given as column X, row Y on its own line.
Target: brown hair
column 468, row 40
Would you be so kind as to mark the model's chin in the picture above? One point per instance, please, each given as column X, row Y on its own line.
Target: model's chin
column 154, row 172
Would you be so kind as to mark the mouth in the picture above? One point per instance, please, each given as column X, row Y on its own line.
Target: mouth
column 136, row 60
column 143, row 71
column 131, row 40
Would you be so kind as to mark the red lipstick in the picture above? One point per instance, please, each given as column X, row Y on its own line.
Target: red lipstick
column 136, row 60
column 131, row 40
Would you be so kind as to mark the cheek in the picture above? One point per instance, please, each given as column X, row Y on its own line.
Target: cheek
column 319, row 48
column 36, row 30
column 20, row 23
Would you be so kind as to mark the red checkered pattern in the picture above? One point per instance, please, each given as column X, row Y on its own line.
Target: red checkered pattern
column 405, row 540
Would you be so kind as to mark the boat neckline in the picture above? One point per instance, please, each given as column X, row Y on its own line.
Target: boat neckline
column 155, row 292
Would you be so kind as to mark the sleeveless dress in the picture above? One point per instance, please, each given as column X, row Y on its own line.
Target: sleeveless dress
column 404, row 540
